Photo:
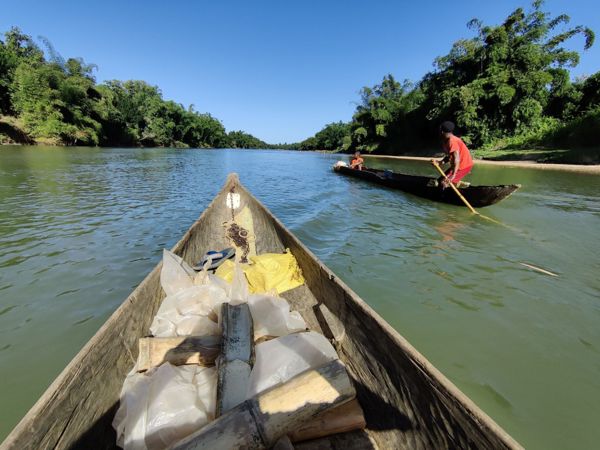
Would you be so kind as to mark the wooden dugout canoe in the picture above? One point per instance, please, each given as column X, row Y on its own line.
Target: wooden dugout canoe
column 477, row 196
column 407, row 402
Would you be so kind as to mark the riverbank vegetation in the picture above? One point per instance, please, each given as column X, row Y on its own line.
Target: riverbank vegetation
column 508, row 87
column 47, row 99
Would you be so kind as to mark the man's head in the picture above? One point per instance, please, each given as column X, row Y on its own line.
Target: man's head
column 446, row 129
column 357, row 154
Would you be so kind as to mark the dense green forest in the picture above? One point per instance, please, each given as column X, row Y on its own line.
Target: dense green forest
column 508, row 86
column 47, row 99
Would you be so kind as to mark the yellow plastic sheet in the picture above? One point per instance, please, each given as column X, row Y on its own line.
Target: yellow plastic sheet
column 278, row 271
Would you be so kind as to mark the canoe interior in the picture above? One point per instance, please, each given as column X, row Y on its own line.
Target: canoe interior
column 477, row 196
column 407, row 402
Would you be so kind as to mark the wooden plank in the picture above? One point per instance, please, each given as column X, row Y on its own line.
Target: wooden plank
column 236, row 358
column 261, row 421
column 180, row 350
column 344, row 418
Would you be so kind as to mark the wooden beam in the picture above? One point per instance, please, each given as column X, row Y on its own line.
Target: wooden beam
column 344, row 418
column 259, row 422
column 236, row 358
column 201, row 350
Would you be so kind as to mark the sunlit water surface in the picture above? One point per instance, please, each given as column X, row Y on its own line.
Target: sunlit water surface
column 80, row 228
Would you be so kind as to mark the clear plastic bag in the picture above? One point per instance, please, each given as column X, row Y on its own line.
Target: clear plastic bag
column 272, row 317
column 238, row 291
column 280, row 359
column 130, row 419
column 164, row 405
column 169, row 323
column 193, row 310
column 175, row 274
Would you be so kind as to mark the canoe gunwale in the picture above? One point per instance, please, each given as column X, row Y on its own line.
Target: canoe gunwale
column 437, row 378
column 478, row 195
column 66, row 376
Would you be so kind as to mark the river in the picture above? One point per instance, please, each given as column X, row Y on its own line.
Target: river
column 80, row 228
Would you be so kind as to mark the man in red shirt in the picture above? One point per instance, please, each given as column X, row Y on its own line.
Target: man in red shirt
column 457, row 154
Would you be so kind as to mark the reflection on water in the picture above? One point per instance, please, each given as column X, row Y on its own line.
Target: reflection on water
column 79, row 228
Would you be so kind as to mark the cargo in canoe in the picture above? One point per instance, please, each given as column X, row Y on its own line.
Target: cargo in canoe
column 477, row 196
column 407, row 402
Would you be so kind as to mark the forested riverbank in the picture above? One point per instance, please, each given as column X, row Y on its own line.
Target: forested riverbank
column 47, row 99
column 508, row 87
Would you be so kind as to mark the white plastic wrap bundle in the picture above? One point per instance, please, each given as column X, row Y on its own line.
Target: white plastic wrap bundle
column 165, row 404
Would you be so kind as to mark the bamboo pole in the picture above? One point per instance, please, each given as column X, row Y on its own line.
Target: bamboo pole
column 437, row 166
column 344, row 418
column 237, row 356
column 259, row 422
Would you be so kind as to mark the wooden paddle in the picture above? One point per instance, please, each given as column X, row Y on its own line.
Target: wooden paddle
column 437, row 166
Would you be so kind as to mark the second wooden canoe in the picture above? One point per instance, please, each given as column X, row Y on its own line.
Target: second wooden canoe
column 477, row 196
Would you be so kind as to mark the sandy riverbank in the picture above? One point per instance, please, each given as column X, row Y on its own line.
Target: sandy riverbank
column 593, row 169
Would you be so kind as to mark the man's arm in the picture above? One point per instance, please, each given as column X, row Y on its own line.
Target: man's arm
column 454, row 163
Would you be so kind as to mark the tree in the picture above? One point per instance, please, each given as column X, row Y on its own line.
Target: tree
column 331, row 137
column 239, row 139
column 16, row 48
column 504, row 80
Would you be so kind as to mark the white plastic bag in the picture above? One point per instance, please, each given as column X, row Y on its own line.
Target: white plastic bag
column 191, row 311
column 164, row 405
column 130, row 419
column 280, row 359
column 272, row 317
column 174, row 409
column 238, row 291
column 175, row 274
column 169, row 322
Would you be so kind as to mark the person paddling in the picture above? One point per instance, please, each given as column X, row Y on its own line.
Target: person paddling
column 357, row 162
column 457, row 154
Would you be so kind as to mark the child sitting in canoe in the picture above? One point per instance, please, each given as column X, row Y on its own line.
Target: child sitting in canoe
column 357, row 162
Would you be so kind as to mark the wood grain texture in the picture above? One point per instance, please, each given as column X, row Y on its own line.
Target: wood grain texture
column 201, row 350
column 237, row 356
column 261, row 421
column 344, row 418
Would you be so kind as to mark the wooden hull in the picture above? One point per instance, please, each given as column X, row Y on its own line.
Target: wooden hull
column 477, row 196
column 407, row 402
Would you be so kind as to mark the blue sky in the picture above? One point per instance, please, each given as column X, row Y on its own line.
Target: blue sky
column 279, row 70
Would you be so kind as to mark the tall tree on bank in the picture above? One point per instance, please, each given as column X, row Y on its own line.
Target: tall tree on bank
column 506, row 78
column 509, row 80
column 16, row 48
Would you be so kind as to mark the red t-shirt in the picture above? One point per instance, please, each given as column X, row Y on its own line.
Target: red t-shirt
column 455, row 144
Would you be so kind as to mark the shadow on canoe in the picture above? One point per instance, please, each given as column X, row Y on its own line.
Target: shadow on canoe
column 380, row 415
column 477, row 196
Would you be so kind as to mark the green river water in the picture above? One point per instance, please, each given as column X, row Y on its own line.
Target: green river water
column 80, row 228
